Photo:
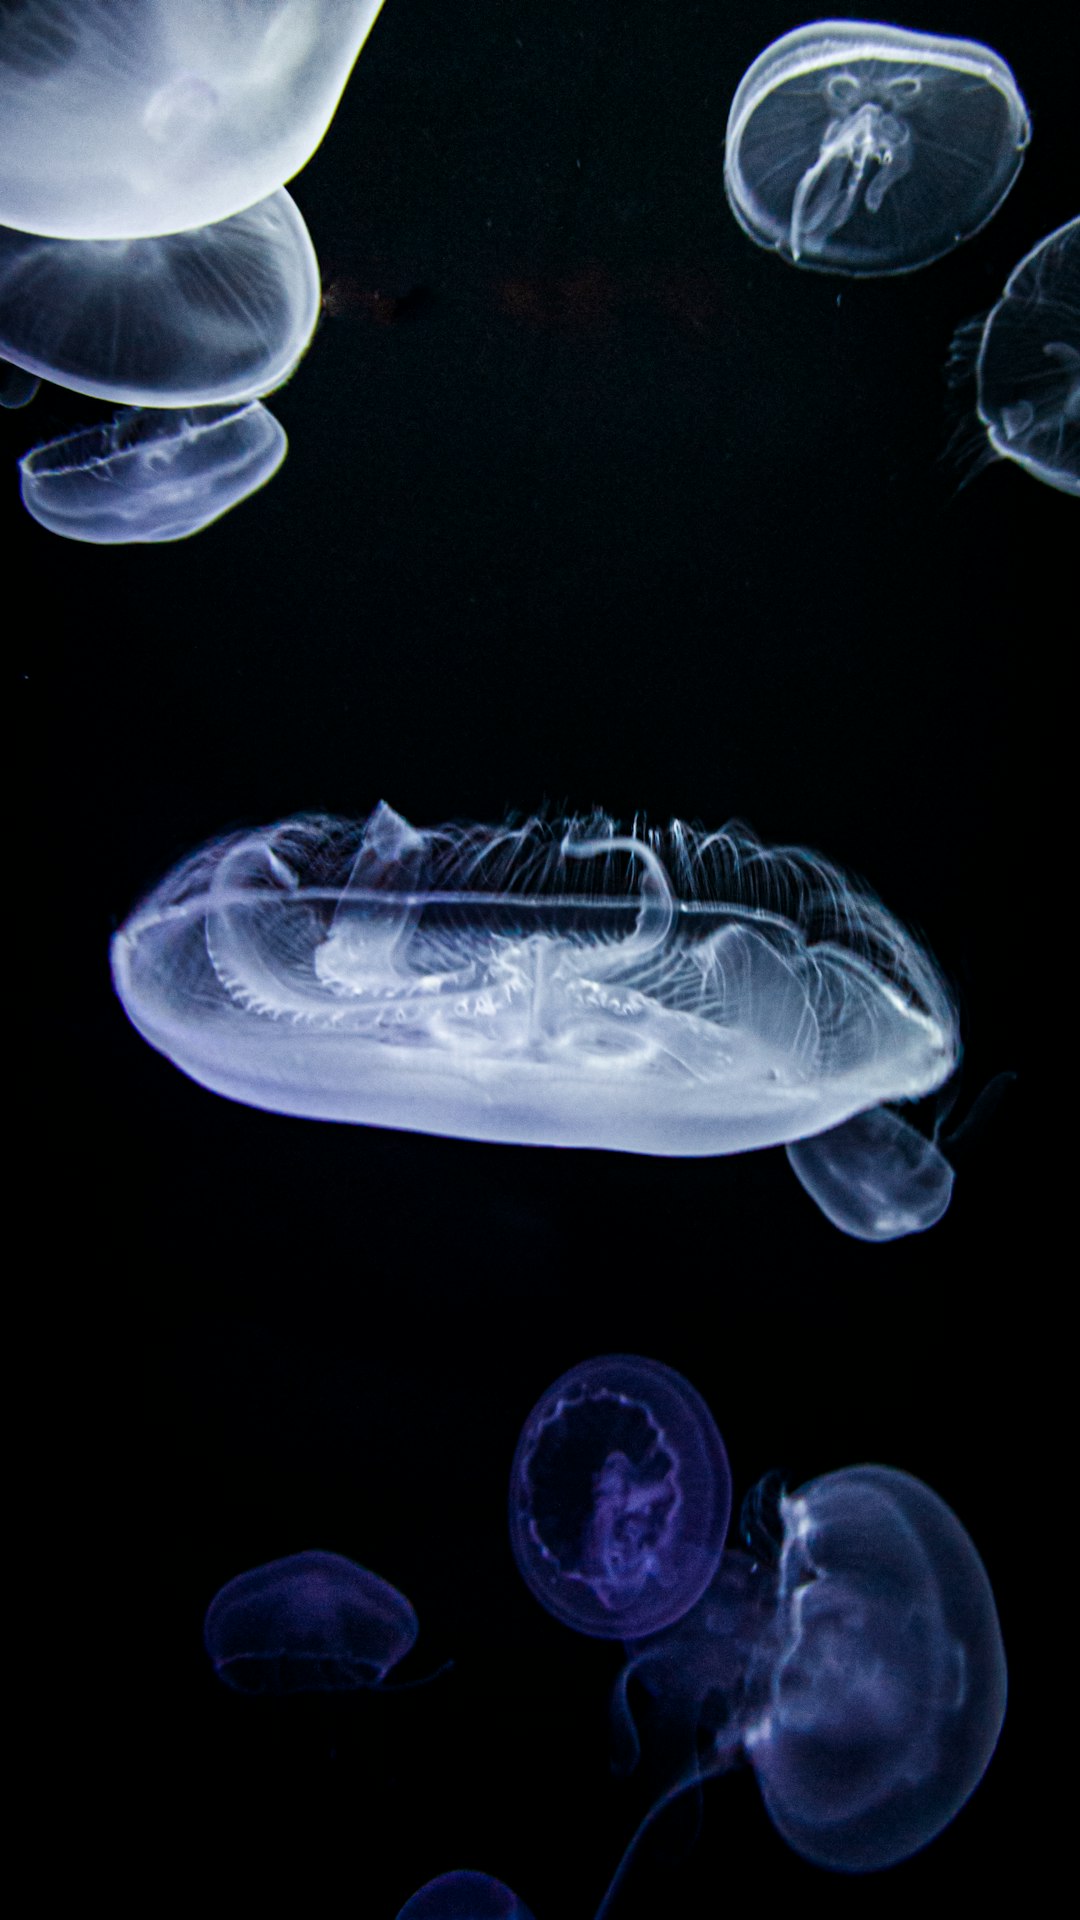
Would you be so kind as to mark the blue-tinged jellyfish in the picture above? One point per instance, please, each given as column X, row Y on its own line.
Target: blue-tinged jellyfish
column 620, row 1496
column 464, row 1896
column 562, row 984
column 1028, row 365
column 121, row 119
column 314, row 1622
column 859, row 1670
column 875, row 1176
column 222, row 313
column 17, row 387
column 151, row 475
column 866, row 149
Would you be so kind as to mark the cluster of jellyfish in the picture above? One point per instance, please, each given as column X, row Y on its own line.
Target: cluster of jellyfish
column 849, row 1652
column 149, row 253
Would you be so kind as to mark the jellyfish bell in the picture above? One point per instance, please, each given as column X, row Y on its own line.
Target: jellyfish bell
column 464, row 1896
column 562, row 984
column 220, row 314
column 859, row 148
column 124, row 119
column 1027, row 369
column 17, row 387
column 314, row 1622
column 875, row 1176
column 150, row 475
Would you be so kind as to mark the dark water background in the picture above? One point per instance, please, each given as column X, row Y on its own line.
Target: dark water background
column 588, row 500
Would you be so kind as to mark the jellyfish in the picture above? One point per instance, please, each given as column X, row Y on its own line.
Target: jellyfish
column 464, row 1896
column 620, row 1496
column 875, row 1176
column 1028, row 365
column 152, row 475
column 17, row 388
column 124, row 119
column 865, row 149
column 314, row 1622
column 561, row 984
column 223, row 313
column 861, row 1674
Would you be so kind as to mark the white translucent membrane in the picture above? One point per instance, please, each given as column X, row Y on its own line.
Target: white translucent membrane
column 862, row 1675
column 1028, row 368
column 865, row 149
column 677, row 992
column 875, row 1177
column 126, row 118
column 196, row 319
column 150, row 475
column 464, row 1896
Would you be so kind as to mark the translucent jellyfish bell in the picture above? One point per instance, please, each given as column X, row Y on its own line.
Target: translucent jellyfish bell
column 620, row 1495
column 121, row 119
column 223, row 313
column 464, row 1896
column 151, row 476
column 862, row 1675
column 314, row 1622
column 676, row 992
column 865, row 149
column 1028, row 368
column 17, row 387
column 875, row 1176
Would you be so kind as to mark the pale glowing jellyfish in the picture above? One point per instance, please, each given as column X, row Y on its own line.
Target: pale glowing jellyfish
column 464, row 1896
column 861, row 1673
column 672, row 992
column 875, row 1176
column 314, row 1622
column 151, row 475
column 865, row 149
column 121, row 119
column 1028, row 368
column 222, row 313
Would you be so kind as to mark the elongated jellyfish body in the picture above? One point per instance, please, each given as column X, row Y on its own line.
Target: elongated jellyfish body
column 314, row 1622
column 875, row 1176
column 673, row 992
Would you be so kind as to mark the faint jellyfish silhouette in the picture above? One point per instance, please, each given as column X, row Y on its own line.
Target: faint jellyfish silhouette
column 314, row 1622
column 862, row 1675
column 17, row 387
column 222, row 313
column 1028, row 365
column 865, row 149
column 150, row 475
column 121, row 119
column 875, row 1176
column 464, row 1896
column 674, row 993
column 620, row 1496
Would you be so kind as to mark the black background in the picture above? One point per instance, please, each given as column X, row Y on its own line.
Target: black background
column 588, row 500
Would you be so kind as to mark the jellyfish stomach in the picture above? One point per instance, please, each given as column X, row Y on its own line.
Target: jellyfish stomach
column 869, row 139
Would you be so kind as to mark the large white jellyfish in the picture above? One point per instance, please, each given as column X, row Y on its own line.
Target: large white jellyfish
column 670, row 992
column 126, row 118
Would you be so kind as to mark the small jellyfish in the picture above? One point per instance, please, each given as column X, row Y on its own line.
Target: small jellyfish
column 222, row 313
column 875, row 1176
column 620, row 1496
column 1028, row 367
column 17, row 388
column 152, row 475
column 861, row 1674
column 122, row 119
column 865, row 149
column 464, row 1896
column 564, row 984
column 314, row 1622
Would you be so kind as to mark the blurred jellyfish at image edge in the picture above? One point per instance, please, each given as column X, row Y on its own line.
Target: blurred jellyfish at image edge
column 866, row 149
column 314, row 1622
column 17, row 388
column 859, row 1669
column 464, row 1896
column 553, row 983
column 219, row 314
column 123, row 119
column 151, row 476
column 620, row 1496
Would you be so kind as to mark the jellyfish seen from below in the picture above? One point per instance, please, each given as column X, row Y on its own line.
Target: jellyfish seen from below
column 223, row 313
column 875, row 1176
column 865, row 149
column 17, row 387
column 464, row 1896
column 152, row 475
column 673, row 992
column 1028, row 366
column 620, row 1496
column 862, row 1675
column 314, row 1622
column 121, row 119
